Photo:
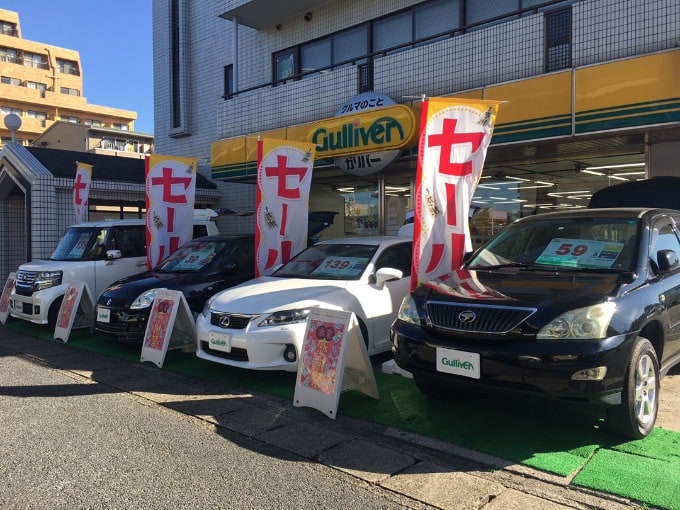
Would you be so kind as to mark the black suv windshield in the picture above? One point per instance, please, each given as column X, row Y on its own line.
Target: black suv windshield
column 81, row 243
column 594, row 243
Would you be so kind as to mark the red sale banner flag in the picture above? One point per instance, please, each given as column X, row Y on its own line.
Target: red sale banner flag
column 170, row 194
column 284, row 177
column 81, row 190
column 454, row 136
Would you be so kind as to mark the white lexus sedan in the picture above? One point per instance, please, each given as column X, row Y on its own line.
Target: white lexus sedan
column 260, row 324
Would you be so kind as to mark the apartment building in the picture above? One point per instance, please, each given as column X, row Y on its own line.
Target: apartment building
column 43, row 85
column 588, row 89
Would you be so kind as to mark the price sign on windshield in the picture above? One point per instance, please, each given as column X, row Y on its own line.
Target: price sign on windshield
column 341, row 266
column 580, row 253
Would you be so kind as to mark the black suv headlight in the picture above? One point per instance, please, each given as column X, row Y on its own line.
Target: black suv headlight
column 408, row 311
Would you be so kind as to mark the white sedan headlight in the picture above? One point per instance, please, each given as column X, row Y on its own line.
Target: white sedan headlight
column 282, row 317
column 586, row 323
column 145, row 299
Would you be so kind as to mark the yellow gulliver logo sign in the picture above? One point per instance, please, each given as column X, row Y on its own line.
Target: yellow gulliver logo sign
column 393, row 127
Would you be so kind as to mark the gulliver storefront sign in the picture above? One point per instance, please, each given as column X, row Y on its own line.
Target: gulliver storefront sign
column 367, row 134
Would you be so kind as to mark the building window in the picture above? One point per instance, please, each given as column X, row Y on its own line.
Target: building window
column 179, row 70
column 558, row 40
column 229, row 85
column 351, row 45
column 122, row 127
column 434, row 18
column 38, row 86
column 9, row 55
column 41, row 116
column 69, row 91
column 35, row 60
column 69, row 118
column 8, row 80
column 7, row 28
column 6, row 110
column 392, row 33
column 68, row 67
column 285, row 65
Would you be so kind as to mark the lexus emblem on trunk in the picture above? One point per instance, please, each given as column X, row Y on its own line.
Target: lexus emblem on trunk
column 467, row 316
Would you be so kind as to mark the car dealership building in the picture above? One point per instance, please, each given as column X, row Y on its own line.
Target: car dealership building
column 588, row 90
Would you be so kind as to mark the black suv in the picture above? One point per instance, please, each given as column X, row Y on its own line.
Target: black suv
column 581, row 305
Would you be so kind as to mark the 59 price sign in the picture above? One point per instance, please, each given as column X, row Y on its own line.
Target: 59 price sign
column 580, row 253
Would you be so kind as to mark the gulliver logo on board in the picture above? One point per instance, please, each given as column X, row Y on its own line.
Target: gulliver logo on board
column 366, row 135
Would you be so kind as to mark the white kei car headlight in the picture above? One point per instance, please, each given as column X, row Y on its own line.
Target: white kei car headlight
column 408, row 311
column 589, row 323
column 282, row 317
column 145, row 299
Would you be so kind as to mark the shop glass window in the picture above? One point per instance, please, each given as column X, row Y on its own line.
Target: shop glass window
column 393, row 31
column 285, row 65
column 350, row 45
column 315, row 55
column 436, row 17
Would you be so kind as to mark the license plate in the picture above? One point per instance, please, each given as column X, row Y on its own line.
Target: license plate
column 103, row 314
column 457, row 362
column 220, row 341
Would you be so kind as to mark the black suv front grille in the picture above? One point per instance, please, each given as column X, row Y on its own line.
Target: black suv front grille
column 467, row 318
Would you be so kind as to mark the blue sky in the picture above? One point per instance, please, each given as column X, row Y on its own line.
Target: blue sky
column 114, row 40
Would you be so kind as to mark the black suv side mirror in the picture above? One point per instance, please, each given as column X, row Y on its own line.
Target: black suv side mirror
column 667, row 259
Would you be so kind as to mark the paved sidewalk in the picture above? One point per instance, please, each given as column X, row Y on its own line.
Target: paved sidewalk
column 427, row 472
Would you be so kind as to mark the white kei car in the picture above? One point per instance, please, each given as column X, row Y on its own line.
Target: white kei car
column 260, row 324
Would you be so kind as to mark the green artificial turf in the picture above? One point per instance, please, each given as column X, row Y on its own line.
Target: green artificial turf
column 544, row 434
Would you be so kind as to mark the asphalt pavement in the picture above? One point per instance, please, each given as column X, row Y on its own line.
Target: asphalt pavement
column 84, row 430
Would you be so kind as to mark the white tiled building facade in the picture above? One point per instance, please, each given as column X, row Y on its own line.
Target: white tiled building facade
column 198, row 42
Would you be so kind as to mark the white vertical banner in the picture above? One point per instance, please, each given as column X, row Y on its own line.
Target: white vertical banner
column 170, row 195
column 81, row 190
column 455, row 134
column 284, row 178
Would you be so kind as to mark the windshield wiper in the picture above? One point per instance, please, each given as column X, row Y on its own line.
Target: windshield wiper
column 510, row 265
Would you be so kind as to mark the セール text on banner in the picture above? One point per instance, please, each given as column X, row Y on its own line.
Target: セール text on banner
column 284, row 177
column 170, row 195
column 454, row 137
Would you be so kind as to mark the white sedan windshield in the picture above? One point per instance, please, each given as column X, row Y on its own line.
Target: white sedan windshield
column 329, row 262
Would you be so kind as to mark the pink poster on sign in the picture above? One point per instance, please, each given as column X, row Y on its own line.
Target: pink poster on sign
column 320, row 356
column 159, row 322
